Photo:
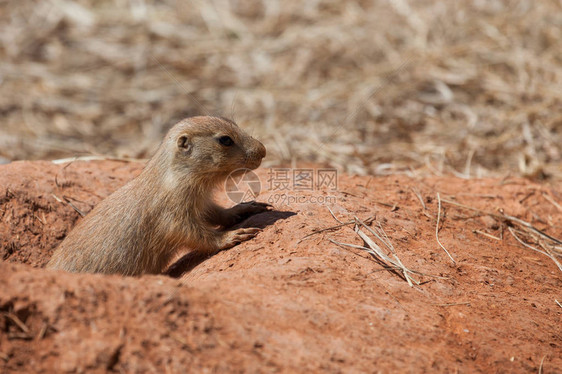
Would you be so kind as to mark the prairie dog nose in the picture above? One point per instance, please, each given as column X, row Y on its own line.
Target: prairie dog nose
column 261, row 150
column 257, row 151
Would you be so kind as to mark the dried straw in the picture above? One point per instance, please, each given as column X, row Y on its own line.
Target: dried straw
column 524, row 233
column 389, row 257
column 469, row 88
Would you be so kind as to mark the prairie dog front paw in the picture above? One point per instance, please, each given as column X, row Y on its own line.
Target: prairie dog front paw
column 234, row 237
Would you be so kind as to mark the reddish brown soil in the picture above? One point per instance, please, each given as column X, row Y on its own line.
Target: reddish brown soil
column 277, row 303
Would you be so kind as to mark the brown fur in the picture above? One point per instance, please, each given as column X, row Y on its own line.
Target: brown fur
column 141, row 226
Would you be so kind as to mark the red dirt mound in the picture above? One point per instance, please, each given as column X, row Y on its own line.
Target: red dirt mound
column 285, row 301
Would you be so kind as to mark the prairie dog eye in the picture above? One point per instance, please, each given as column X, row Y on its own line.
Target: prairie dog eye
column 226, row 141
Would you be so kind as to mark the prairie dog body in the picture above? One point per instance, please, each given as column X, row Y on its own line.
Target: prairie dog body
column 141, row 226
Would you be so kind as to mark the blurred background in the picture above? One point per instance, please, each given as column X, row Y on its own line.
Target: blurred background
column 469, row 88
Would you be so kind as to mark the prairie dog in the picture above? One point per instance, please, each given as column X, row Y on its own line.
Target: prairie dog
column 140, row 227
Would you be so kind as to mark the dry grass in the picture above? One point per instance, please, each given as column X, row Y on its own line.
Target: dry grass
column 437, row 229
column 384, row 253
column 470, row 88
column 523, row 232
column 390, row 261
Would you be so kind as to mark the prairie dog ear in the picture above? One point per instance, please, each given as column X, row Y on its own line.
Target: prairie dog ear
column 183, row 143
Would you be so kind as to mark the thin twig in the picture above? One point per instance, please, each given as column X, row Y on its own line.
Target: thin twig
column 67, row 200
column 486, row 234
column 503, row 216
column 386, row 241
column 378, row 251
column 97, row 158
column 552, row 201
column 368, row 220
column 395, row 269
column 418, row 195
column 513, row 231
column 552, row 257
column 393, row 264
column 542, row 362
column 531, row 227
column 17, row 321
column 393, row 206
column 437, row 229
column 453, row 304
column 334, row 216
column 43, row 331
column 61, row 170
column 39, row 219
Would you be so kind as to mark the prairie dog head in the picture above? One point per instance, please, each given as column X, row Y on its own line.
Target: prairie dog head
column 212, row 146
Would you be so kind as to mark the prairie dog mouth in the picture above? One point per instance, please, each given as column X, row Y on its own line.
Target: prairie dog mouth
column 253, row 164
